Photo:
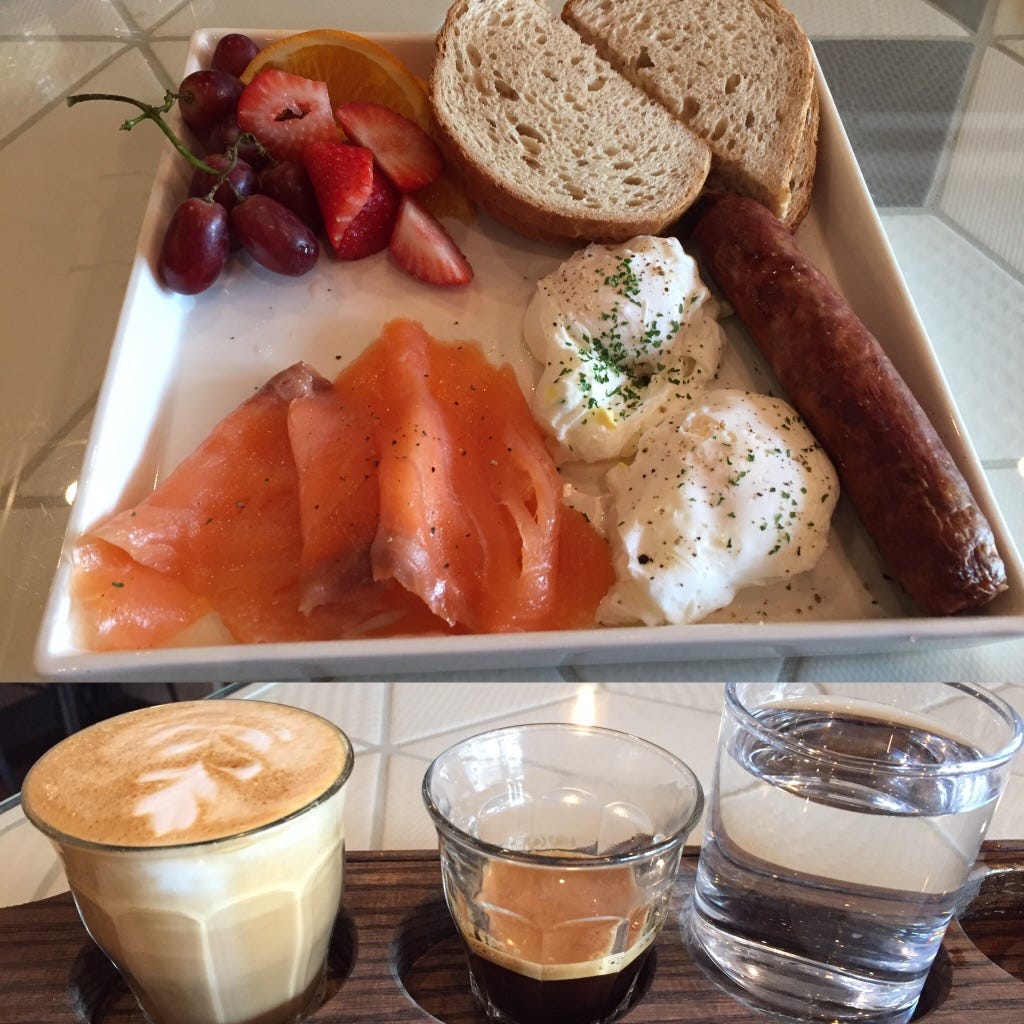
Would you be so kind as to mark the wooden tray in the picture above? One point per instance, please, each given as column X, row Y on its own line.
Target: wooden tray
column 395, row 958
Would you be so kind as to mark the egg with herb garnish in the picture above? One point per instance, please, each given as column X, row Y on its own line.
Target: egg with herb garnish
column 624, row 333
column 732, row 492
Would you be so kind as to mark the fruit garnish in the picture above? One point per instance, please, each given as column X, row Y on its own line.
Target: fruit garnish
column 353, row 67
column 234, row 180
column 342, row 177
column 302, row 177
column 357, row 69
column 405, row 152
column 196, row 243
column 286, row 112
column 371, row 228
column 289, row 184
column 233, row 53
column 226, row 133
column 422, row 248
column 274, row 236
column 195, row 246
column 206, row 97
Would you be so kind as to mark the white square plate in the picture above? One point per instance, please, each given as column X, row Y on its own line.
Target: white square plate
column 179, row 364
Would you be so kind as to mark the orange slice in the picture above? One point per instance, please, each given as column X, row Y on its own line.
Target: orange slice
column 357, row 69
column 353, row 67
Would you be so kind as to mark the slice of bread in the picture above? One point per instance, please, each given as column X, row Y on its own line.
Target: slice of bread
column 740, row 73
column 803, row 169
column 551, row 140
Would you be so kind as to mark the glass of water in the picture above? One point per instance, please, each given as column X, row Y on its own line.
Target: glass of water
column 843, row 823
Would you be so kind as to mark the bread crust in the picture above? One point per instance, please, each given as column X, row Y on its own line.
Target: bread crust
column 520, row 211
column 805, row 167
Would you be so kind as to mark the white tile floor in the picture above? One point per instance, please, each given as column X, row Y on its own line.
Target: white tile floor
column 875, row 17
column 984, row 191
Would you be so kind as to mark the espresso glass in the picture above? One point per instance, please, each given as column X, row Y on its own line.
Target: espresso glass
column 231, row 930
column 559, row 847
column 843, row 822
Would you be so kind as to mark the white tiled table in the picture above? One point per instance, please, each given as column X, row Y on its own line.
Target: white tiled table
column 398, row 728
column 931, row 91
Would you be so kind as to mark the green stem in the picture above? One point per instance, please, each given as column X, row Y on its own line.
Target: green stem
column 150, row 112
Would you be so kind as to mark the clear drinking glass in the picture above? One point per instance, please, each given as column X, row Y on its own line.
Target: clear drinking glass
column 559, row 849
column 226, row 930
column 843, row 822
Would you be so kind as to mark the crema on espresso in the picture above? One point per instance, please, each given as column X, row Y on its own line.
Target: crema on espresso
column 560, row 945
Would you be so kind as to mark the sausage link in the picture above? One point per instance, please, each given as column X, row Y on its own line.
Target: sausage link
column 901, row 479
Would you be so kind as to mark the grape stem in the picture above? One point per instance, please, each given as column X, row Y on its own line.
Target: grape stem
column 154, row 113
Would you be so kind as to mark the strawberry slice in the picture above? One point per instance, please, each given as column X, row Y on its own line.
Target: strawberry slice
column 370, row 229
column 286, row 112
column 405, row 152
column 422, row 248
column 342, row 177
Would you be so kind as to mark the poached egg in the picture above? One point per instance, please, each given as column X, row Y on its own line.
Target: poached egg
column 730, row 492
column 624, row 333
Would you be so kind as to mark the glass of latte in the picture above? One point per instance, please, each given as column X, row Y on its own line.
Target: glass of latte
column 559, row 845
column 204, row 846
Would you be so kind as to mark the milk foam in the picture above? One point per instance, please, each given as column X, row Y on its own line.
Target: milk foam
column 177, row 805
column 185, row 772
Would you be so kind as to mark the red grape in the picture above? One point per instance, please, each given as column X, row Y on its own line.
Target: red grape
column 195, row 246
column 233, row 53
column 288, row 183
column 206, row 97
column 225, row 134
column 242, row 176
column 275, row 237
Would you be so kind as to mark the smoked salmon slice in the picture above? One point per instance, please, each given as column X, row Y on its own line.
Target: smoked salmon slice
column 123, row 605
column 334, row 437
column 470, row 511
column 224, row 523
column 413, row 495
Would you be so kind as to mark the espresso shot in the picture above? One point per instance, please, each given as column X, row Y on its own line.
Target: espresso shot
column 559, row 848
column 585, row 967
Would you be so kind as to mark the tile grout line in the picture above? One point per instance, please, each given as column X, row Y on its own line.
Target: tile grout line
column 386, row 750
column 58, row 101
column 976, row 243
column 135, row 38
column 937, row 213
column 952, row 17
column 981, row 40
column 484, row 724
column 49, row 446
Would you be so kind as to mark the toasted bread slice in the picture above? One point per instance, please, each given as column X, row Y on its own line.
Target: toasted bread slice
column 740, row 73
column 806, row 164
column 550, row 139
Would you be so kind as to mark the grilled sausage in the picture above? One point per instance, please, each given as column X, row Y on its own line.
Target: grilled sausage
column 893, row 466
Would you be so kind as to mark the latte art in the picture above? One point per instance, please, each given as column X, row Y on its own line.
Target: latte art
column 185, row 772
column 220, row 763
